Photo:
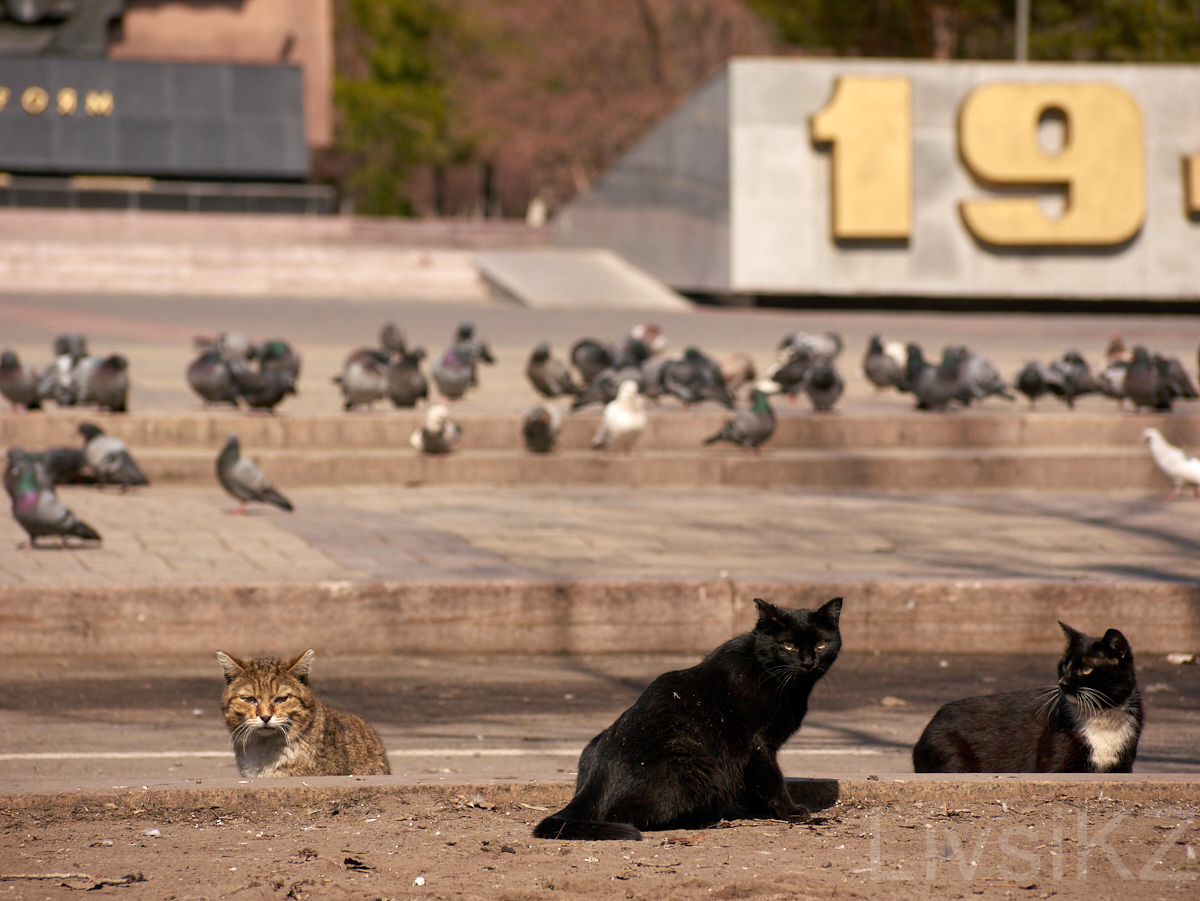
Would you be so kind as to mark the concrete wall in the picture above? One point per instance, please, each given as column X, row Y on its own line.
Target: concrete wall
column 665, row 205
column 778, row 218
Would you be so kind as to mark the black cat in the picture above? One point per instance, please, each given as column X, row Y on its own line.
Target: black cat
column 1089, row 723
column 700, row 743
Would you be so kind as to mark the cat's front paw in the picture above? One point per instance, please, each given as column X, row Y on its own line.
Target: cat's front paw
column 799, row 815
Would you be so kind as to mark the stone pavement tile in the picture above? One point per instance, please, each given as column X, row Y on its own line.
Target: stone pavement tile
column 183, row 535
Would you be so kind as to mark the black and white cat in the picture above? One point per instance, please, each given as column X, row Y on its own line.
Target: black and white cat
column 1089, row 723
column 700, row 744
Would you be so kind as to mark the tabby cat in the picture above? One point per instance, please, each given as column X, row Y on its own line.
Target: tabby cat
column 278, row 727
column 700, row 743
column 1089, row 722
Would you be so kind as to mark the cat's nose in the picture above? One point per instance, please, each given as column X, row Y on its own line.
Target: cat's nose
column 266, row 718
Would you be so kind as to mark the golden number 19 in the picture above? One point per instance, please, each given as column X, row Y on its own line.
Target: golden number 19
column 869, row 123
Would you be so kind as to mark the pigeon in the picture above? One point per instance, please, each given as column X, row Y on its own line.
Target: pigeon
column 824, row 386
column 276, row 355
column 623, row 421
column 934, row 386
column 109, row 458
column 751, row 427
column 549, row 377
column 978, row 377
column 603, row 388
column 468, row 347
column 103, row 381
column 695, row 378
column 392, row 340
column 819, row 347
column 232, row 346
column 539, row 428
column 364, row 378
column 242, row 478
column 406, row 383
column 881, row 365
column 591, row 358
column 66, row 466
column 261, row 389
column 789, row 375
column 56, row 381
column 630, row 353
column 1154, row 382
column 1111, row 381
column 736, row 368
column 19, row 383
column 1076, row 376
column 35, row 506
column 1036, row 380
column 210, row 377
column 454, row 372
column 437, row 435
column 650, row 335
column 1116, row 350
column 71, row 344
column 1177, row 465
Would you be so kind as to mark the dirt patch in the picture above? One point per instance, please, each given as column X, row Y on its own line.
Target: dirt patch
column 447, row 843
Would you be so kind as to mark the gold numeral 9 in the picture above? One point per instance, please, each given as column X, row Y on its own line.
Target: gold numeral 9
column 1102, row 165
column 869, row 123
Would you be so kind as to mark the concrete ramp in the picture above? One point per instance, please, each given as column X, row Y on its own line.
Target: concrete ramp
column 576, row 279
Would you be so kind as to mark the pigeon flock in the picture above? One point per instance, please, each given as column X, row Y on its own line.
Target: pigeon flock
column 620, row 377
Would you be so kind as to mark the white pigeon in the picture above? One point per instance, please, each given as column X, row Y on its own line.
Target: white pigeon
column 437, row 435
column 624, row 419
column 1177, row 465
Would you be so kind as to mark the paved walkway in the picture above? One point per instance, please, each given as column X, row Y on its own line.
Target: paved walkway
column 366, row 533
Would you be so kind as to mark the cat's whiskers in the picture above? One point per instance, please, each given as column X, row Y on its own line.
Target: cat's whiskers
column 1049, row 700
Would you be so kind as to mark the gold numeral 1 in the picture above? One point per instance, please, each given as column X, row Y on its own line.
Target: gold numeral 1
column 1102, row 164
column 869, row 123
column 1191, row 180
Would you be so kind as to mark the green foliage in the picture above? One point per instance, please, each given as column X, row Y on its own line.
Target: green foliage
column 394, row 113
column 1116, row 30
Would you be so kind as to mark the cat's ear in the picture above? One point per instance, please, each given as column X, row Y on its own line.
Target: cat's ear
column 232, row 666
column 770, row 617
column 1116, row 642
column 300, row 666
column 831, row 612
column 1072, row 635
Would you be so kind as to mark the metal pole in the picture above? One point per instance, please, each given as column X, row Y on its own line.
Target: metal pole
column 1022, row 30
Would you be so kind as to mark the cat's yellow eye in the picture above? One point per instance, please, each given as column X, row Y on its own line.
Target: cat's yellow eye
column 821, row 645
column 1087, row 670
column 788, row 646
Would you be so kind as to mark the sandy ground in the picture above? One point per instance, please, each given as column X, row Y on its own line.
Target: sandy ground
column 441, row 844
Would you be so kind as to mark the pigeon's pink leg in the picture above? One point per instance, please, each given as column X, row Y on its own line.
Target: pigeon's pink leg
column 238, row 510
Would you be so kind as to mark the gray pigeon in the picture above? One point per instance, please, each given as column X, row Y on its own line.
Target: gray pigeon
column 881, row 368
column 1037, row 379
column 1154, row 382
column 454, row 372
column 242, row 478
column 978, row 377
column 935, row 387
column 694, row 379
column 262, row 389
column 364, row 378
column 591, row 357
column 549, row 377
column 35, row 506
column 103, row 381
column 539, row 428
column 210, row 377
column 109, row 458
column 604, row 387
column 277, row 356
column 18, row 383
column 824, row 386
column 406, row 384
column 751, row 427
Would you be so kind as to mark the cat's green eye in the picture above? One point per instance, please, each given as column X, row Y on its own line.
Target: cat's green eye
column 788, row 646
column 821, row 645
column 1087, row 670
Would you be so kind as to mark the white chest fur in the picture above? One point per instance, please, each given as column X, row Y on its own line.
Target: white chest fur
column 262, row 755
column 1108, row 735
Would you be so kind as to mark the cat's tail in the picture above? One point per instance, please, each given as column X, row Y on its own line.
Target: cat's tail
column 562, row 827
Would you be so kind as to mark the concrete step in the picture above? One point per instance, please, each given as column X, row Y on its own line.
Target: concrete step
column 669, row 429
column 1040, row 468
